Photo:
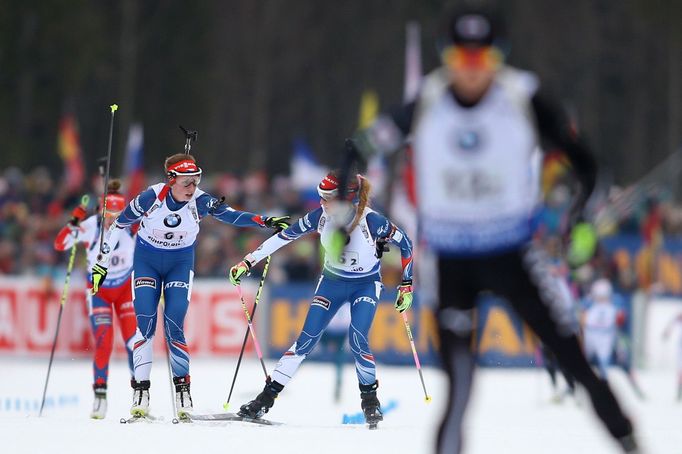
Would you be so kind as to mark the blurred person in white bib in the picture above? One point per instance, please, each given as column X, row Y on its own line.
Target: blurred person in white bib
column 115, row 296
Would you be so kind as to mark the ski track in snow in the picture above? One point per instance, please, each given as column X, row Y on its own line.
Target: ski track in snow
column 510, row 412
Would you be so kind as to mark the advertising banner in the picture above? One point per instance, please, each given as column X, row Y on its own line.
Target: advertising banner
column 501, row 339
column 640, row 264
column 29, row 308
column 288, row 305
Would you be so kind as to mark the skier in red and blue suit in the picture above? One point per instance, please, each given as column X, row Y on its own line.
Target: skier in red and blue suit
column 114, row 296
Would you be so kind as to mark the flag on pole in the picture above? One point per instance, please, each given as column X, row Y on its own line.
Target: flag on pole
column 306, row 172
column 369, row 108
column 69, row 149
column 134, row 165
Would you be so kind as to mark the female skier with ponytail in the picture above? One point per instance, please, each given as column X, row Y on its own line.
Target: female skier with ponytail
column 353, row 277
column 115, row 295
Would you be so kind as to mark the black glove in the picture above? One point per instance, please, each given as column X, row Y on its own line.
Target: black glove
column 382, row 246
column 99, row 273
column 214, row 204
column 277, row 222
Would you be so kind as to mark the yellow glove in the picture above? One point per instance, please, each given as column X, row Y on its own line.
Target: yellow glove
column 404, row 299
column 583, row 244
column 241, row 269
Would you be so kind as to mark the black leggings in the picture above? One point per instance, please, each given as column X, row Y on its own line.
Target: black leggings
column 522, row 277
column 551, row 365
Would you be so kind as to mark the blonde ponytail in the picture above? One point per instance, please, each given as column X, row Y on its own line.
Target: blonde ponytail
column 363, row 200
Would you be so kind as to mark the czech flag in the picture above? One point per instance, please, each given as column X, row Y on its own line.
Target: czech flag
column 134, row 165
column 306, row 173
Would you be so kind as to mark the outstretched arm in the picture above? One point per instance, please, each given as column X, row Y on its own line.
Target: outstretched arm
column 387, row 133
column 210, row 205
column 306, row 224
column 68, row 235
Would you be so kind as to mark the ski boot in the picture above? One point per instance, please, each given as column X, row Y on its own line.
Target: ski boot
column 183, row 399
column 140, row 406
column 99, row 406
column 256, row 408
column 370, row 404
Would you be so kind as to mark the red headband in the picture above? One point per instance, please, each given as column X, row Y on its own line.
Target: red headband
column 115, row 203
column 186, row 166
column 329, row 183
column 329, row 187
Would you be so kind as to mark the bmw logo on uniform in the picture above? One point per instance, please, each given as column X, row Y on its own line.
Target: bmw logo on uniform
column 172, row 220
column 468, row 140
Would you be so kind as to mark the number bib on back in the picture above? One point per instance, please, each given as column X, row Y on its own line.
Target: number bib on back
column 358, row 258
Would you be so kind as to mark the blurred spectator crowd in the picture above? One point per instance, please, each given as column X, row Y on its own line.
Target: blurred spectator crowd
column 33, row 207
column 646, row 213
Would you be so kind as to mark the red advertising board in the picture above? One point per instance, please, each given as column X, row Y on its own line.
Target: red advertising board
column 214, row 326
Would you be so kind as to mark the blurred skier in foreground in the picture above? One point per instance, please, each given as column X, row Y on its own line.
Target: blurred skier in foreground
column 477, row 128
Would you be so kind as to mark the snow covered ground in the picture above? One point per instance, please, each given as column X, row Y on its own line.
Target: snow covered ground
column 511, row 412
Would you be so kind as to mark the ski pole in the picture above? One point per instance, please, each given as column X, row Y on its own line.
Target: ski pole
column 427, row 398
column 62, row 303
column 251, row 330
column 226, row 405
column 168, row 361
column 105, row 189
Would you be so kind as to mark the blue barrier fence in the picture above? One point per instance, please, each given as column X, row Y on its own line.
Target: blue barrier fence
column 502, row 340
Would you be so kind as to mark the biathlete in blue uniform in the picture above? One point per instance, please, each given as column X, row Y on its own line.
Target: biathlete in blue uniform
column 169, row 215
column 354, row 277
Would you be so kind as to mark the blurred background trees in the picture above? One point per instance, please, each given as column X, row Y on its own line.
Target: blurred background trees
column 253, row 75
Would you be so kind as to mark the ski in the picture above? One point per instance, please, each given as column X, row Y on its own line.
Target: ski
column 138, row 418
column 182, row 417
column 233, row 417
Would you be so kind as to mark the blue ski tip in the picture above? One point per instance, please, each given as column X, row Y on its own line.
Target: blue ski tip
column 355, row 418
column 359, row 418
